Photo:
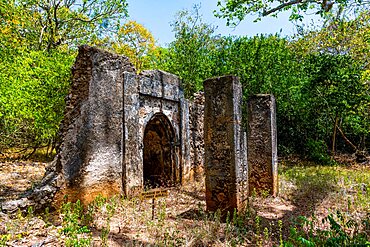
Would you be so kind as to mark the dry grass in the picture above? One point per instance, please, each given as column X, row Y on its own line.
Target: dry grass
column 180, row 219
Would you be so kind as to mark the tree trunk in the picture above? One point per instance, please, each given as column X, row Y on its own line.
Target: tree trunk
column 346, row 139
column 334, row 135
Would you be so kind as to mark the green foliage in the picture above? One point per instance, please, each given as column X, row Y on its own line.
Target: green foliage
column 343, row 231
column 77, row 234
column 191, row 55
column 317, row 151
column 33, row 85
column 331, row 89
column 137, row 43
column 318, row 92
column 106, row 208
column 37, row 38
column 47, row 24
column 4, row 238
column 198, row 53
column 236, row 10
column 264, row 64
column 345, row 37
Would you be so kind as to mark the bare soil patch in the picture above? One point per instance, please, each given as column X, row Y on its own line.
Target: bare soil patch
column 181, row 220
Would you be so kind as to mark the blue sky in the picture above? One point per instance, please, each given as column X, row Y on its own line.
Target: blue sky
column 156, row 16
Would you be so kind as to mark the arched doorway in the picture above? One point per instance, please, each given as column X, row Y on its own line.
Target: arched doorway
column 159, row 155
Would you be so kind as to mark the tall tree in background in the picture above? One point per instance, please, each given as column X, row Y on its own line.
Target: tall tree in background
column 137, row 43
column 48, row 24
column 339, row 37
column 191, row 55
column 339, row 57
column 37, row 48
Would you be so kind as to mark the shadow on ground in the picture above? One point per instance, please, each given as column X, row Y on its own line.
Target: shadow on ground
column 311, row 189
column 119, row 239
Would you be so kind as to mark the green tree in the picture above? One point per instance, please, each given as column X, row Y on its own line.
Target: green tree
column 339, row 37
column 137, row 43
column 48, row 24
column 336, row 97
column 327, row 50
column 264, row 63
column 236, row 10
column 32, row 90
column 191, row 55
column 37, row 49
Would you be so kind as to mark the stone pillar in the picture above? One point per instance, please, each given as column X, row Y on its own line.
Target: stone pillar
column 185, row 145
column 196, row 137
column 223, row 143
column 132, row 155
column 262, row 144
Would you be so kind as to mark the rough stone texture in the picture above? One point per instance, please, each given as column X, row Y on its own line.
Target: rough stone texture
column 225, row 166
column 262, row 144
column 125, row 124
column 196, row 117
column 185, row 170
column 154, row 97
column 123, row 131
column 90, row 155
column 40, row 197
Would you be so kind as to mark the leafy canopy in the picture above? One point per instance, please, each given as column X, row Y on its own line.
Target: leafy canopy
column 320, row 84
column 339, row 37
column 191, row 55
column 37, row 49
column 236, row 10
column 49, row 24
column 137, row 43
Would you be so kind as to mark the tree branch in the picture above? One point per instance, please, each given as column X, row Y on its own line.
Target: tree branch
column 281, row 6
column 346, row 139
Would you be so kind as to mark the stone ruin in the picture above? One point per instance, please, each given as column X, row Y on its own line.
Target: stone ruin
column 262, row 144
column 225, row 145
column 124, row 132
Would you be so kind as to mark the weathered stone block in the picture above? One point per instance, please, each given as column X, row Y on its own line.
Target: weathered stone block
column 196, row 136
column 155, row 125
column 262, row 144
column 223, row 142
column 150, row 87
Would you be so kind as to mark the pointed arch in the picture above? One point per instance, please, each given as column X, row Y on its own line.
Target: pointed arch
column 160, row 168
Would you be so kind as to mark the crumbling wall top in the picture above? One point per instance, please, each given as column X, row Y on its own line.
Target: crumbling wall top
column 160, row 84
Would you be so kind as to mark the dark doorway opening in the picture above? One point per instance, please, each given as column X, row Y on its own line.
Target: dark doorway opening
column 159, row 155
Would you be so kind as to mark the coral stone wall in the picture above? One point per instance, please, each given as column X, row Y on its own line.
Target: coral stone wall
column 262, row 144
column 196, row 126
column 108, row 111
column 90, row 156
column 146, row 95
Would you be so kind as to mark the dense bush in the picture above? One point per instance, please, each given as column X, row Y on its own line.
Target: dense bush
column 322, row 91
column 322, row 97
column 33, row 85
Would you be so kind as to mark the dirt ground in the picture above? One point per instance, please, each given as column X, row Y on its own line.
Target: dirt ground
column 180, row 215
